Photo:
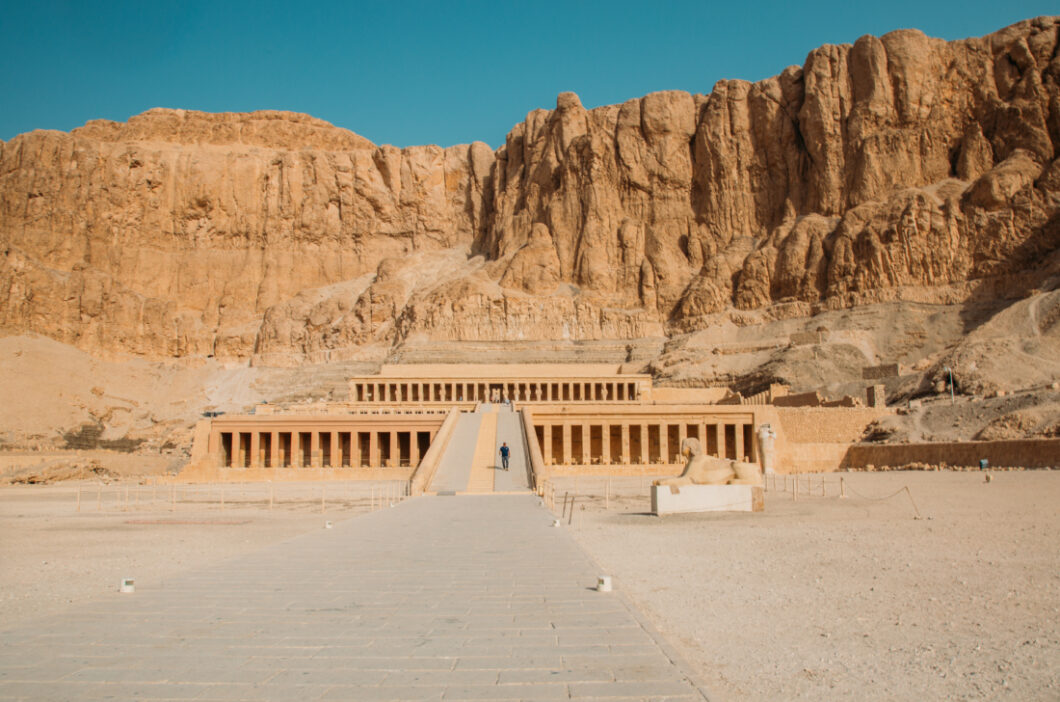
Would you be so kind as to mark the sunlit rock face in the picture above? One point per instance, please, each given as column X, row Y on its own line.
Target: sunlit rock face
column 899, row 167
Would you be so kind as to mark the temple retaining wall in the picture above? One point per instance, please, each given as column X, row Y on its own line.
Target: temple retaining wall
column 1025, row 453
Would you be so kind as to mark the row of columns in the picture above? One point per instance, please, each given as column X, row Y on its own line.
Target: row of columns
column 742, row 444
column 326, row 449
column 565, row 391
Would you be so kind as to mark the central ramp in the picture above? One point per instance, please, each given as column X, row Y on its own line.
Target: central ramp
column 472, row 460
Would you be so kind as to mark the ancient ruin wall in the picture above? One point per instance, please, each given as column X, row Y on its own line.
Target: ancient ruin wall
column 897, row 167
column 1025, row 453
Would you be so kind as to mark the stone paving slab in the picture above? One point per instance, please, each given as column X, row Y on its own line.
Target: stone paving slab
column 440, row 598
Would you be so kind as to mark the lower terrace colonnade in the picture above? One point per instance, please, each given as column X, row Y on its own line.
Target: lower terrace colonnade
column 322, row 442
column 618, row 441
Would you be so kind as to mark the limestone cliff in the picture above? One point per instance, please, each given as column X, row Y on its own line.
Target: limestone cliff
column 899, row 167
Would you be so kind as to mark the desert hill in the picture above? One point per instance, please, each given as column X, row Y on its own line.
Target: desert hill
column 901, row 193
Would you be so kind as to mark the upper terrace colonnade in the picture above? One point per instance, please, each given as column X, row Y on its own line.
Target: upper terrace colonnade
column 527, row 384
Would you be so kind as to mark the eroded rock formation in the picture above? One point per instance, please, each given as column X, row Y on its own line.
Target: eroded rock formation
column 899, row 167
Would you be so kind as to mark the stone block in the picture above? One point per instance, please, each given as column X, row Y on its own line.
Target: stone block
column 706, row 498
column 884, row 370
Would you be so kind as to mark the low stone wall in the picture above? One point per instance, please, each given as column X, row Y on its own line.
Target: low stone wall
column 1028, row 453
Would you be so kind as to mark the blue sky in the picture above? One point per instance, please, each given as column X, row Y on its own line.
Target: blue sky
column 409, row 73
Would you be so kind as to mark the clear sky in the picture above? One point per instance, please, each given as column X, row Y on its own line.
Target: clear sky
column 404, row 73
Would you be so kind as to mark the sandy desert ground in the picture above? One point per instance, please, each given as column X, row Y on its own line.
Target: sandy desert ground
column 820, row 598
column 838, row 599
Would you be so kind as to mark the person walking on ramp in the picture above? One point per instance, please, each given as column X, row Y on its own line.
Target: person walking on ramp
column 505, row 452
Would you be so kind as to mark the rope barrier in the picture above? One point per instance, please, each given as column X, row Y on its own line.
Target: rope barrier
column 904, row 489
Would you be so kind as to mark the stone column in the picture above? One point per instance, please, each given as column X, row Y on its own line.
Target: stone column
column 720, row 429
column 546, row 450
column 255, row 449
column 355, row 449
column 274, row 449
column 645, row 445
column 566, row 444
column 336, row 450
column 314, row 449
column 395, row 450
column 682, row 434
column 739, row 441
column 626, row 458
column 296, row 448
column 414, row 448
column 587, row 445
column 373, row 449
column 664, row 442
column 605, row 443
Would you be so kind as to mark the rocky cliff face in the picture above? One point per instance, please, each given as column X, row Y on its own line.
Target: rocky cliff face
column 899, row 167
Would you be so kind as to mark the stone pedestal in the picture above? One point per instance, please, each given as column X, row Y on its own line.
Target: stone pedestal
column 706, row 498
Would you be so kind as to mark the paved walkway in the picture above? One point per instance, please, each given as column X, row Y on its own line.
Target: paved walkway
column 439, row 598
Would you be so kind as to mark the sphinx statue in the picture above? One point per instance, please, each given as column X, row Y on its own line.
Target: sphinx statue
column 709, row 470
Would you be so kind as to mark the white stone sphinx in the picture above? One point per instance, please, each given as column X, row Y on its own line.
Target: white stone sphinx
column 709, row 470
column 709, row 484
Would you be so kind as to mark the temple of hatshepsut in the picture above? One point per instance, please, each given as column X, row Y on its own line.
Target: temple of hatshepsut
column 562, row 419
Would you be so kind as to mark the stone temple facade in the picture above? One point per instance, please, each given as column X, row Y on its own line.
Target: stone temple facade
column 588, row 418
